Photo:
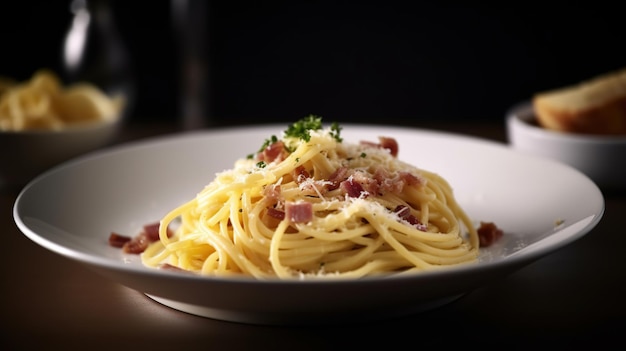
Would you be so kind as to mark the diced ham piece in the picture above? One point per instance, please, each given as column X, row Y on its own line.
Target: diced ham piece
column 409, row 178
column 488, row 233
column 308, row 185
column 272, row 192
column 299, row 212
column 390, row 144
column 274, row 152
column 352, row 188
column 118, row 240
column 274, row 213
column 404, row 212
column 152, row 230
column 388, row 183
column 355, row 183
column 335, row 179
column 369, row 184
column 394, row 183
column 385, row 143
column 139, row 243
column 300, row 174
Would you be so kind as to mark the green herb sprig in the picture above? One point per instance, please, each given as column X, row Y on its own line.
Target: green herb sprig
column 301, row 129
column 335, row 131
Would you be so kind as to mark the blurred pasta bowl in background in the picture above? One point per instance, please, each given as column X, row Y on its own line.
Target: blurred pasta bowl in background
column 43, row 123
column 600, row 157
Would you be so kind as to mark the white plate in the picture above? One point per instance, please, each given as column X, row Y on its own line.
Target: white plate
column 71, row 210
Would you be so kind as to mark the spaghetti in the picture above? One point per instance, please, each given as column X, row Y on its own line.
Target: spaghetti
column 43, row 103
column 310, row 205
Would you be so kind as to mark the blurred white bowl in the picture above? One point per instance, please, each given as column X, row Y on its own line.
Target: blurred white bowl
column 598, row 157
column 26, row 154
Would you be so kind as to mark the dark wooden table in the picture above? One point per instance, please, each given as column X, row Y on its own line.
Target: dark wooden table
column 574, row 297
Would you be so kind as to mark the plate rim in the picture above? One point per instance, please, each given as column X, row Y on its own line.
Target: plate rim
column 216, row 297
column 107, row 263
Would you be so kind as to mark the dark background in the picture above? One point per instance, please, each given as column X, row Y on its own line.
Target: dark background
column 397, row 62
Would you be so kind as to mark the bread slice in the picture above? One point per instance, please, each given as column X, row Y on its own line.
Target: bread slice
column 594, row 106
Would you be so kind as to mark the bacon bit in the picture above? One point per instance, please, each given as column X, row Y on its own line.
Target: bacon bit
column 312, row 187
column 358, row 183
column 369, row 184
column 352, row 188
column 152, row 231
column 299, row 212
column 274, row 152
column 118, row 240
column 274, row 213
column 387, row 182
column 337, row 177
column 308, row 185
column 384, row 143
column 272, row 192
column 488, row 233
column 409, row 178
column 137, row 244
column 394, row 183
column 390, row 144
column 300, row 174
column 404, row 212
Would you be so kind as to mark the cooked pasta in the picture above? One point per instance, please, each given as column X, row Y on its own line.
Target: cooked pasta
column 43, row 103
column 310, row 205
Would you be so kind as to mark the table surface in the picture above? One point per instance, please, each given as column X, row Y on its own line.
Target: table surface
column 573, row 297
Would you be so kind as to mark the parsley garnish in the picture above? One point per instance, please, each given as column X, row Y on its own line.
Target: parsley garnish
column 268, row 142
column 301, row 128
column 335, row 130
column 261, row 164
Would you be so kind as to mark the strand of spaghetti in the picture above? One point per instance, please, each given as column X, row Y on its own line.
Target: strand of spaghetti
column 473, row 233
column 352, row 260
column 228, row 253
column 226, row 183
column 218, row 216
column 242, row 237
column 221, row 244
column 165, row 221
column 258, row 230
column 424, row 248
column 300, row 155
column 333, row 234
column 155, row 254
column 454, row 210
column 322, row 166
column 222, row 263
column 391, row 241
column 274, row 255
column 212, row 264
column 308, row 260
